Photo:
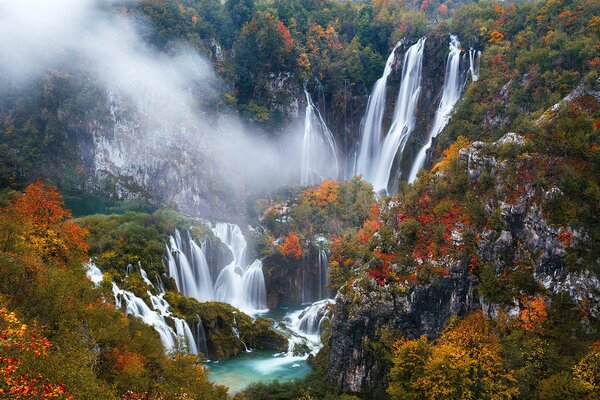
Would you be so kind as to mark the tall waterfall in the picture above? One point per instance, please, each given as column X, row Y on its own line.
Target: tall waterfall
column 404, row 116
column 239, row 283
column 371, row 133
column 474, row 60
column 319, row 151
column 451, row 92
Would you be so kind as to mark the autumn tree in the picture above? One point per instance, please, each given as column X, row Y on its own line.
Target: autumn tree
column 37, row 218
column 290, row 246
column 465, row 363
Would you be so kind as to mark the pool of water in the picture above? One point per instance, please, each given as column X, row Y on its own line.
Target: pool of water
column 246, row 369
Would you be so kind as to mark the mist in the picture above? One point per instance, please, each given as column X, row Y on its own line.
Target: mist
column 161, row 105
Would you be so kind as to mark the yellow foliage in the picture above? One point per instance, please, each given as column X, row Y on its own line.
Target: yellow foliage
column 451, row 154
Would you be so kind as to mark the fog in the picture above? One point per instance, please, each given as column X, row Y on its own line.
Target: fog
column 158, row 102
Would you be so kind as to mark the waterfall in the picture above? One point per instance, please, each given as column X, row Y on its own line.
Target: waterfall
column 309, row 321
column 201, row 337
column 323, row 263
column 474, row 60
column 319, row 154
column 371, row 132
column 239, row 283
column 171, row 339
column 94, row 274
column 189, row 268
column 404, row 116
column 451, row 92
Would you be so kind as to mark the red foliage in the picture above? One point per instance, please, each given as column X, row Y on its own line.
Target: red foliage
column 566, row 238
column 20, row 342
column 290, row 246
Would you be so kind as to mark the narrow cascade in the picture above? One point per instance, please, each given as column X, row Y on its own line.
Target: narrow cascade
column 474, row 60
column 404, row 116
column 451, row 92
column 201, row 337
column 323, row 262
column 319, row 154
column 371, row 133
column 171, row 339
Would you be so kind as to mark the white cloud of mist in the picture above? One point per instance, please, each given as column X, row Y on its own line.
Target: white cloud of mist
column 163, row 93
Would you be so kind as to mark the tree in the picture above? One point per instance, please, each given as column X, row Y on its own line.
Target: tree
column 465, row 363
column 290, row 246
column 44, row 223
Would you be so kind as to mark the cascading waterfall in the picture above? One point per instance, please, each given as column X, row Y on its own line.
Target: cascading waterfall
column 189, row 268
column 451, row 92
column 239, row 283
column 171, row 339
column 319, row 150
column 371, row 135
column 404, row 116
column 474, row 60
column 309, row 321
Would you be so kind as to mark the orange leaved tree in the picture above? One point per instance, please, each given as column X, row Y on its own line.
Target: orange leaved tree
column 290, row 246
column 38, row 220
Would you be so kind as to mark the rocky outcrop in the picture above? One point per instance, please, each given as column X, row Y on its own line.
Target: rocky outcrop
column 359, row 318
column 292, row 282
column 523, row 238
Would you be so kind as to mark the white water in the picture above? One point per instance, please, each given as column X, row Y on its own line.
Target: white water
column 94, row 274
column 177, row 339
column 309, row 320
column 451, row 92
column 474, row 60
column 319, row 150
column 240, row 284
column 404, row 116
column 371, row 135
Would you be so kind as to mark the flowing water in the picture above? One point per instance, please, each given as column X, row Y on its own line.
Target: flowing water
column 319, row 150
column 371, row 132
column 248, row 368
column 404, row 116
column 451, row 92
column 239, row 283
column 474, row 60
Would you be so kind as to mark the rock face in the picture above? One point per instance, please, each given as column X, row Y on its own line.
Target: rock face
column 359, row 319
column 522, row 237
column 291, row 282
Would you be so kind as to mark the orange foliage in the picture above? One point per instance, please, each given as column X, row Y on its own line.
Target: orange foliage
column 47, row 225
column 288, row 41
column 451, row 154
column 534, row 314
column 496, row 36
column 323, row 195
column 126, row 361
column 290, row 246
column 443, row 10
column 19, row 341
